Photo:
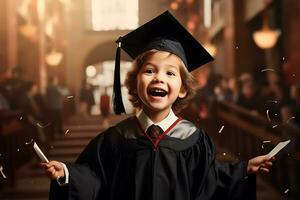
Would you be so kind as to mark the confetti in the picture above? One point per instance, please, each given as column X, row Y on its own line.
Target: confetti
column 268, row 115
column 67, row 131
column 275, row 126
column 265, row 142
column 221, row 129
column 287, row 121
column 283, row 58
column 41, row 125
column 27, row 143
column 70, row 97
column 21, row 118
column 286, row 191
column 268, row 69
column 2, row 173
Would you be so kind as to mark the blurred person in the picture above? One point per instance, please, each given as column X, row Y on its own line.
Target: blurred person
column 86, row 98
column 233, row 86
column 105, row 107
column 222, row 91
column 249, row 98
column 295, row 101
column 30, row 104
column 55, row 106
column 245, row 78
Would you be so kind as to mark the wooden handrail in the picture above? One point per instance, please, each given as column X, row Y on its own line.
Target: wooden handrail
column 258, row 118
column 254, row 131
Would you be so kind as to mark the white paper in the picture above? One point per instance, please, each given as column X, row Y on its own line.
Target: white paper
column 278, row 147
column 40, row 153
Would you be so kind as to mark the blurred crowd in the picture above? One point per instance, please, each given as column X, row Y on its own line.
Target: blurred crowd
column 42, row 112
column 269, row 97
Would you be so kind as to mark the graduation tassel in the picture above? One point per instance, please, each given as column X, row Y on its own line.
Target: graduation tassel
column 117, row 94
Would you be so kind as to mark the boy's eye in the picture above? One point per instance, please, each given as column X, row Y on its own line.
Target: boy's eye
column 171, row 73
column 149, row 71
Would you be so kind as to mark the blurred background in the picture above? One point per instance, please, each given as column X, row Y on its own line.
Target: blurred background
column 56, row 77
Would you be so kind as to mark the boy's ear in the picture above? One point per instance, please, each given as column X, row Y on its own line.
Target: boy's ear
column 182, row 92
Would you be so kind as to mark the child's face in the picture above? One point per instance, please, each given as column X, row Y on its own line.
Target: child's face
column 159, row 82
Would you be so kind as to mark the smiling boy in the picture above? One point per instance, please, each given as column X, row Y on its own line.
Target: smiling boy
column 155, row 154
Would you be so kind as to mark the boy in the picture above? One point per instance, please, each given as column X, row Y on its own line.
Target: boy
column 156, row 155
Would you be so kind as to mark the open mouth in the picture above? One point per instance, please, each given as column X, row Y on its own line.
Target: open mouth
column 157, row 92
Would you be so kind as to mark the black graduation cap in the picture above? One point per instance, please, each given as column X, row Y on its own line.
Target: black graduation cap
column 163, row 33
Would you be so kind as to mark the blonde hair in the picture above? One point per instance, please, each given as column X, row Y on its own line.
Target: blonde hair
column 188, row 83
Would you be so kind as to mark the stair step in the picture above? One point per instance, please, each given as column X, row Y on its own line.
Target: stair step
column 70, row 143
column 65, row 151
column 78, row 135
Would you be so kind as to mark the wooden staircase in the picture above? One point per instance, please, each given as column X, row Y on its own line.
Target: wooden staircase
column 32, row 183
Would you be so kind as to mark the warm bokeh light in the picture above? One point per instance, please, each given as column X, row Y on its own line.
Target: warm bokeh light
column 90, row 71
column 174, row 5
column 28, row 30
column 266, row 38
column 54, row 58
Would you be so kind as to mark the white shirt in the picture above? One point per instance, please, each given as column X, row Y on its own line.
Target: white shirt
column 146, row 122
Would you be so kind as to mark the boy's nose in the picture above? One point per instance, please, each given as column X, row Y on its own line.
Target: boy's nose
column 157, row 79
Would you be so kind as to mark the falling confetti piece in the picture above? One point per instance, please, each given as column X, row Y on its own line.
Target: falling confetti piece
column 283, row 58
column 286, row 191
column 21, row 118
column 287, row 121
column 27, row 143
column 221, row 129
column 70, row 97
column 41, row 125
column 274, row 126
column 266, row 141
column 268, row 115
column 264, row 70
column 2, row 173
column 67, row 131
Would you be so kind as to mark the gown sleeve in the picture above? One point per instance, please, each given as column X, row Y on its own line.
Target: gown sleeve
column 220, row 181
column 86, row 176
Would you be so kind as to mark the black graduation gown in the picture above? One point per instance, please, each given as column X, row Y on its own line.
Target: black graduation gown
column 122, row 164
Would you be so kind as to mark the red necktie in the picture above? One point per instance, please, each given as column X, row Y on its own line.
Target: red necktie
column 153, row 132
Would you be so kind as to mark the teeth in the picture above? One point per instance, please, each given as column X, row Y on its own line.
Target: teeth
column 158, row 92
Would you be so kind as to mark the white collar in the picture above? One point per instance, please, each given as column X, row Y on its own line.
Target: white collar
column 145, row 121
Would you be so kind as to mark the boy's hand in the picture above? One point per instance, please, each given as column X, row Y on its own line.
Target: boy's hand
column 260, row 163
column 54, row 169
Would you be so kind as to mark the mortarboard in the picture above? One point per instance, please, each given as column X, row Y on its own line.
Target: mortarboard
column 163, row 33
